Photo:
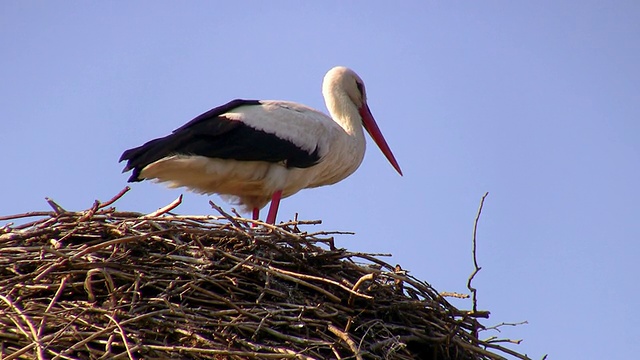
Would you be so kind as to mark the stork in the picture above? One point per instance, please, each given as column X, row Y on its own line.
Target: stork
column 254, row 151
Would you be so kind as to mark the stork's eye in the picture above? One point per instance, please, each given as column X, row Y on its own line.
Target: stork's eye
column 360, row 88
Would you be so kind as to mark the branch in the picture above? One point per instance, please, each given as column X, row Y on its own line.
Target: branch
column 115, row 198
column 174, row 204
column 475, row 258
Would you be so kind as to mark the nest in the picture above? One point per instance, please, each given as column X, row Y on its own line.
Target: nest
column 107, row 284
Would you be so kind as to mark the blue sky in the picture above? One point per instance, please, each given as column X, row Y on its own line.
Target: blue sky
column 537, row 103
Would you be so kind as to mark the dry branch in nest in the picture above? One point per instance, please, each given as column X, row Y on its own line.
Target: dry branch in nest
column 106, row 284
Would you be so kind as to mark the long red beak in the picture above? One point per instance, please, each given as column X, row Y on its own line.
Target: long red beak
column 370, row 125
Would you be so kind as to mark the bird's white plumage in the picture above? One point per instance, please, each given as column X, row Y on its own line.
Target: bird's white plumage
column 338, row 140
column 256, row 181
column 301, row 125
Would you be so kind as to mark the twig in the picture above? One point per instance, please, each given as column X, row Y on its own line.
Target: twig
column 495, row 340
column 297, row 222
column 163, row 210
column 56, row 208
column 454, row 295
column 89, row 213
column 475, row 259
column 507, row 351
column 225, row 214
column 362, row 279
column 123, row 335
column 347, row 339
column 115, row 198
column 497, row 327
column 317, row 278
column 24, row 215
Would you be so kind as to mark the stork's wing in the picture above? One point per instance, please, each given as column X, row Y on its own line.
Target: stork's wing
column 217, row 134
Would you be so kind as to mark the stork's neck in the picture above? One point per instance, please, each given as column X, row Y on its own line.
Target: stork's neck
column 343, row 110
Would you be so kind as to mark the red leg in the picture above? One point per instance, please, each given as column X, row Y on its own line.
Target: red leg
column 256, row 216
column 273, row 209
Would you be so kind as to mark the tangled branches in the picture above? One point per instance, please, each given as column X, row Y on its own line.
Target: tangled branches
column 107, row 284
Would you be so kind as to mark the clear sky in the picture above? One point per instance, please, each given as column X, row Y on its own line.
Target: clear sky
column 536, row 102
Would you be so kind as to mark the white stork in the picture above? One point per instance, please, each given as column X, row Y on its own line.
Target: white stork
column 254, row 151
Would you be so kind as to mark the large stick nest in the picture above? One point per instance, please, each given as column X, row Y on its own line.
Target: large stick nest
column 106, row 284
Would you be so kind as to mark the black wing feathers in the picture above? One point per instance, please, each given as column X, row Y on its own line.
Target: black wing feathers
column 217, row 111
column 213, row 135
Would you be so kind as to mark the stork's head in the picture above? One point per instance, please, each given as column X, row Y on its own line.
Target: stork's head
column 344, row 92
